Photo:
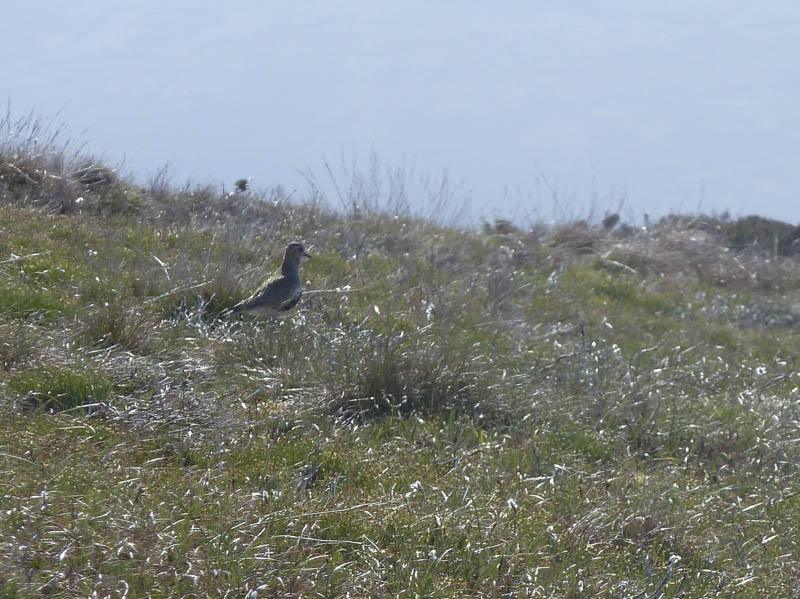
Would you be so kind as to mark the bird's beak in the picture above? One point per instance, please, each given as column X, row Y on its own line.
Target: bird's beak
column 306, row 254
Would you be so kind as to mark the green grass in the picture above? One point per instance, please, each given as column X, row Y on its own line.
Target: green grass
column 58, row 389
column 37, row 303
column 564, row 412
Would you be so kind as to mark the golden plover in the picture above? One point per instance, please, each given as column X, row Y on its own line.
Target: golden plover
column 280, row 293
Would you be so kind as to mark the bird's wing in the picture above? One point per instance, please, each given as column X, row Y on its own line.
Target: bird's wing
column 292, row 302
column 272, row 294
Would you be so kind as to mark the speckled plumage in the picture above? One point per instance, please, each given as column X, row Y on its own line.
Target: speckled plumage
column 280, row 293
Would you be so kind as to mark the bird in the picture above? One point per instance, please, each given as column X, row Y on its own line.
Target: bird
column 279, row 294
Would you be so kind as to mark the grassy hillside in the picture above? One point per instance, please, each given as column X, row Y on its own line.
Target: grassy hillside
column 579, row 411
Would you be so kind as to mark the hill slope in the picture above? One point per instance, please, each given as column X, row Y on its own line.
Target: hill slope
column 577, row 411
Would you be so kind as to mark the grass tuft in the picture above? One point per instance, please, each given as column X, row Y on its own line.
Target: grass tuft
column 112, row 325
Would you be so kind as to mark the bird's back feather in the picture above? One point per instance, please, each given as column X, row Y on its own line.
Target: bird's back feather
column 279, row 294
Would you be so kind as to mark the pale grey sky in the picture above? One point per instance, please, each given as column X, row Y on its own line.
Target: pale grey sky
column 673, row 105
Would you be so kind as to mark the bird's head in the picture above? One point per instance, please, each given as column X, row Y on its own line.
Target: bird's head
column 294, row 251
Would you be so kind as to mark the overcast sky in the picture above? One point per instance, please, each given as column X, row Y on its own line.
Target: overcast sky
column 670, row 106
